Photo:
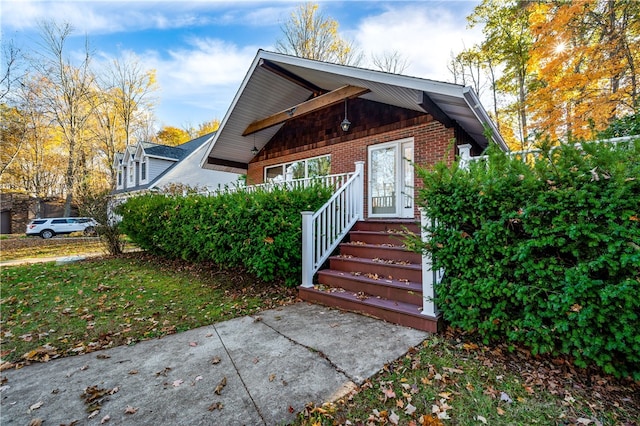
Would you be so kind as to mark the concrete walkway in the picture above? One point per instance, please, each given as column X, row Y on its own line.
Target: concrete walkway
column 255, row 370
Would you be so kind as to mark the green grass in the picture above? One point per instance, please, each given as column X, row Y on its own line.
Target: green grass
column 36, row 247
column 50, row 310
column 467, row 384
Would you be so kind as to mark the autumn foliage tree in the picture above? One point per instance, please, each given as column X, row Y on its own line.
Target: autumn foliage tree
column 586, row 58
column 558, row 69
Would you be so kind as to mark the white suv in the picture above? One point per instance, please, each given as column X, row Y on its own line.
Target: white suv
column 49, row 227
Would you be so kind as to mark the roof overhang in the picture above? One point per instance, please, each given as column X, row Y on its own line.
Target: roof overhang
column 278, row 88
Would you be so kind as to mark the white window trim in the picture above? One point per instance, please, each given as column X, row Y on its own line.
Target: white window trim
column 132, row 173
column 146, row 166
column 284, row 166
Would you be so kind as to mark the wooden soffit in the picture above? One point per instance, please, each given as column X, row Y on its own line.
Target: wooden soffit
column 307, row 107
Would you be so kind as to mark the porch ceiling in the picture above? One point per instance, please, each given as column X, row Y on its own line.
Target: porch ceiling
column 265, row 93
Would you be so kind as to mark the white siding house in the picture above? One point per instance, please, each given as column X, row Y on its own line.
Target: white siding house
column 145, row 166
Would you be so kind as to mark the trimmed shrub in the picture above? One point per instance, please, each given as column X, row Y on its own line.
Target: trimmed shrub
column 544, row 254
column 260, row 231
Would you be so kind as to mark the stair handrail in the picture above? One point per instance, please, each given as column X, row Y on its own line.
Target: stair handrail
column 325, row 228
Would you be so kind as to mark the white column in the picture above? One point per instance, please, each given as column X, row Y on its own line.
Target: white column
column 307, row 249
column 429, row 277
column 360, row 189
column 465, row 155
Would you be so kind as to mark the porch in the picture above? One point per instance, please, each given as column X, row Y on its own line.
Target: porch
column 364, row 265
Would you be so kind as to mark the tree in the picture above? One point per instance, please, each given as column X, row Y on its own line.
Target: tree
column 390, row 61
column 207, row 127
column 309, row 34
column 508, row 40
column 11, row 76
column 586, row 59
column 68, row 96
column 173, row 136
column 133, row 88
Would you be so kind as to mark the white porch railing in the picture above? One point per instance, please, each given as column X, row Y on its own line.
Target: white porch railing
column 430, row 278
column 528, row 154
column 323, row 230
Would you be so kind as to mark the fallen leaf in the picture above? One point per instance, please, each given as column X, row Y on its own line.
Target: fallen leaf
column 584, row 421
column 193, row 344
column 36, row 405
column 481, row 419
column 93, row 414
column 505, row 397
column 35, row 422
column 410, row 409
column 215, row 406
column 130, row 410
column 177, row 383
column 105, row 419
column 272, row 377
column 394, row 418
column 103, row 356
column 221, row 385
column 133, row 372
column 388, row 393
column 114, row 390
column 163, row 372
column 453, row 370
column 215, row 360
column 198, row 378
column 500, row 411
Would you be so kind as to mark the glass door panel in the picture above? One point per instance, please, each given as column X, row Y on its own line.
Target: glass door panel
column 383, row 164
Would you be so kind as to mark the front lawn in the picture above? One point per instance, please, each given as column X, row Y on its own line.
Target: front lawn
column 50, row 311
column 450, row 380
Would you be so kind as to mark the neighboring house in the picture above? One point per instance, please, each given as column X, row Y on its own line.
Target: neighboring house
column 295, row 118
column 146, row 166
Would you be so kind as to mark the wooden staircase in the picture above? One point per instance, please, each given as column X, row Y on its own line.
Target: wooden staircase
column 374, row 274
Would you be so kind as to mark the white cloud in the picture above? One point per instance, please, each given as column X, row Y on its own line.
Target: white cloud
column 422, row 32
column 202, row 78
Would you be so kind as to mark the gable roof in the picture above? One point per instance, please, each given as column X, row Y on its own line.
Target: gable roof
column 176, row 153
column 276, row 83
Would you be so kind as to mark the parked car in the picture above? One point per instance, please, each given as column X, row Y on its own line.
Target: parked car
column 49, row 227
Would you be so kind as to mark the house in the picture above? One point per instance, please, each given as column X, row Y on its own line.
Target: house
column 295, row 119
column 145, row 166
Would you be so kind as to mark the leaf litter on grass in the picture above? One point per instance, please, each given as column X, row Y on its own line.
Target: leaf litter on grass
column 100, row 303
column 451, row 379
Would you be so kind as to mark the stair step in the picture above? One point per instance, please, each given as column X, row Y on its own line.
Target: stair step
column 377, row 237
column 373, row 251
column 401, row 313
column 382, row 225
column 402, row 291
column 410, row 272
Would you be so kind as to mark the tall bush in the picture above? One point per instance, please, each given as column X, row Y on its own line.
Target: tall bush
column 546, row 254
column 260, row 231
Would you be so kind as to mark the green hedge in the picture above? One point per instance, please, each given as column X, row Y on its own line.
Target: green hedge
column 260, row 231
column 546, row 255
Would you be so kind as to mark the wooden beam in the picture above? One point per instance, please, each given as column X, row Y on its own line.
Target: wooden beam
column 435, row 111
column 288, row 75
column 304, row 108
column 227, row 163
column 309, row 106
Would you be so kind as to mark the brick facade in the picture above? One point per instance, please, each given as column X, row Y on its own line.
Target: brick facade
column 372, row 123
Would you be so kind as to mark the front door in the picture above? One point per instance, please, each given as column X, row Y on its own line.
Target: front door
column 391, row 179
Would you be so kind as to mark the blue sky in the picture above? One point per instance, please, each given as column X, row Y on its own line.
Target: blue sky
column 201, row 50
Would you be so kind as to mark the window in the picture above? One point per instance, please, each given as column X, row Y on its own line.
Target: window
column 119, row 177
column 58, row 221
column 132, row 173
column 308, row 168
column 143, row 170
